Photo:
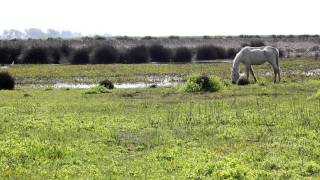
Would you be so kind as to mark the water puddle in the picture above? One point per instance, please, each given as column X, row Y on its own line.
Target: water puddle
column 86, row 86
column 152, row 81
column 314, row 72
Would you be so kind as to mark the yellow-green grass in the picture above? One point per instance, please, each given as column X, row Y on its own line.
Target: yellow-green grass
column 260, row 131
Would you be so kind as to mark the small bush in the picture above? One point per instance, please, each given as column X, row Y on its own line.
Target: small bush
column 80, row 56
column 6, row 81
column 138, row 54
column 107, row 83
column 158, row 53
column 105, row 55
column 243, row 81
column 222, row 53
column 182, row 54
column 97, row 90
column 211, row 53
column 196, row 83
column 35, row 55
column 207, row 53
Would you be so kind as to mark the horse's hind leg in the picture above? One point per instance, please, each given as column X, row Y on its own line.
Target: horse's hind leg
column 276, row 73
column 254, row 77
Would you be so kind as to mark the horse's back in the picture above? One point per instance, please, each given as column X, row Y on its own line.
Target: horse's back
column 253, row 55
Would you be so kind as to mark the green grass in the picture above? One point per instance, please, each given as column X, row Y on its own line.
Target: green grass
column 259, row 131
column 265, row 131
column 47, row 74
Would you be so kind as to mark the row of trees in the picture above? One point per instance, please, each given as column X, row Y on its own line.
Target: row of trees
column 109, row 54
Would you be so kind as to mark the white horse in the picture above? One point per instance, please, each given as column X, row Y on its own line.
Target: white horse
column 255, row 56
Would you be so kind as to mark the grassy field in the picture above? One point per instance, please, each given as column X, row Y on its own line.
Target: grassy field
column 260, row 131
column 292, row 70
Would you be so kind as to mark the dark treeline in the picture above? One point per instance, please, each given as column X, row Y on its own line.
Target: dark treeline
column 102, row 51
column 107, row 54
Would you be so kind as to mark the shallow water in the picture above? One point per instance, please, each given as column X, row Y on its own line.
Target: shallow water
column 158, row 81
column 85, row 86
column 314, row 72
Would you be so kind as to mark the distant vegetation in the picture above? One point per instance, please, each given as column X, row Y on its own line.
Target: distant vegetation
column 128, row 50
column 80, row 56
column 182, row 54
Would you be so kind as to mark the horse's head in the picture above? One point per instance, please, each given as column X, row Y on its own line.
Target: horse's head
column 235, row 74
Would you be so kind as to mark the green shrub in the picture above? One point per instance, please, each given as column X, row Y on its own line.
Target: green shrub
column 80, row 56
column 183, row 54
column 107, row 83
column 105, row 55
column 158, row 53
column 97, row 90
column 196, row 83
column 6, row 81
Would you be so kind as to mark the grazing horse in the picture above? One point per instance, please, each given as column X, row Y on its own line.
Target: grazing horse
column 255, row 56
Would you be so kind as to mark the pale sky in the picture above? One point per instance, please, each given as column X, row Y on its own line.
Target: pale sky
column 164, row 17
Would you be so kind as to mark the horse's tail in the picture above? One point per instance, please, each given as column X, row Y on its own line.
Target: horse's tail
column 277, row 55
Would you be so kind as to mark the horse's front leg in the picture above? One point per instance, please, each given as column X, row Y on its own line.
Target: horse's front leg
column 251, row 71
column 247, row 71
